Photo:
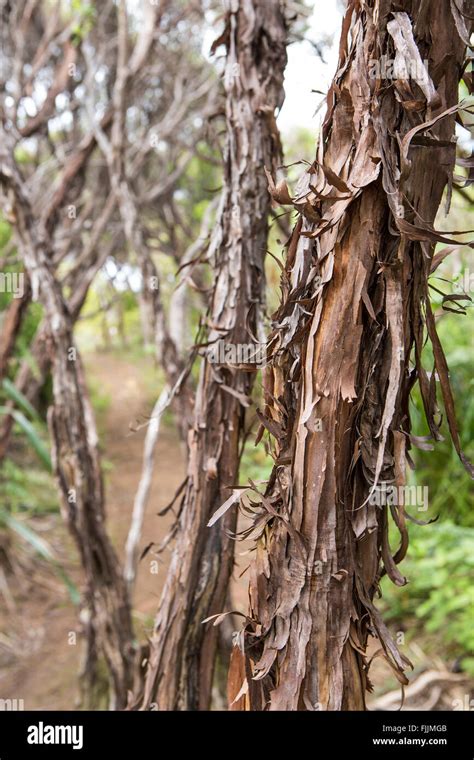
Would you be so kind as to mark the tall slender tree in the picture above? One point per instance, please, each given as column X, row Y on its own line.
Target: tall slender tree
column 75, row 454
column 346, row 352
column 55, row 111
column 183, row 651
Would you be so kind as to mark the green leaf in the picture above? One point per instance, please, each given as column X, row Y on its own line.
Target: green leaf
column 39, row 545
column 31, row 434
column 43, row 549
column 19, row 398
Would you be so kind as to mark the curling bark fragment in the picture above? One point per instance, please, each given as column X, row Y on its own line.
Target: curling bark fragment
column 183, row 651
column 355, row 308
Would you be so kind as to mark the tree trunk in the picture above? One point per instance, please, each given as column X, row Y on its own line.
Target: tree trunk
column 106, row 614
column 183, row 651
column 29, row 382
column 11, row 325
column 355, row 295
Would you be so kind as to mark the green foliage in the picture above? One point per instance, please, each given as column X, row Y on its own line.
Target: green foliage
column 28, row 330
column 98, row 322
column 438, row 601
column 19, row 399
column 40, row 547
column 200, row 181
column 23, row 486
column 23, row 155
column 5, row 232
column 451, row 490
column 100, row 399
column 256, row 465
column 27, row 488
column 32, row 435
column 439, row 598
column 25, row 491
column 85, row 14
column 299, row 146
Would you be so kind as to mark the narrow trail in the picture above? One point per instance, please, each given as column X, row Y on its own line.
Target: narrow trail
column 37, row 661
column 123, row 383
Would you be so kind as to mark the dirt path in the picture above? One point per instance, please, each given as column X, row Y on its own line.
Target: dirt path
column 38, row 662
column 124, row 449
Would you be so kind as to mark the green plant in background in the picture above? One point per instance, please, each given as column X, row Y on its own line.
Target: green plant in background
column 31, row 429
column 31, row 434
column 5, row 232
column 439, row 598
column 450, row 488
column 20, row 486
column 255, row 465
column 85, row 15
column 25, row 488
column 438, row 601
column 39, row 547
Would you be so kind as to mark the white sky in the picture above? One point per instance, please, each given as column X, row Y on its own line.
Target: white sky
column 305, row 70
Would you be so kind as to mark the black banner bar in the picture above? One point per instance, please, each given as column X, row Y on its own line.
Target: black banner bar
column 103, row 734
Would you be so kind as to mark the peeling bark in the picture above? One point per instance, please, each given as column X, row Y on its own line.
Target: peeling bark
column 180, row 670
column 33, row 371
column 354, row 309
column 106, row 613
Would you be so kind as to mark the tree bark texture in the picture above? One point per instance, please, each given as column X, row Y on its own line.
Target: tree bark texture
column 106, row 614
column 183, row 651
column 346, row 352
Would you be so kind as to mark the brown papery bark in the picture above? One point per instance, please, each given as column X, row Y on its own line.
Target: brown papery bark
column 354, row 301
column 106, row 613
column 180, row 670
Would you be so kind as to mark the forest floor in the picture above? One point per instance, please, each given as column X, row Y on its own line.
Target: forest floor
column 37, row 661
